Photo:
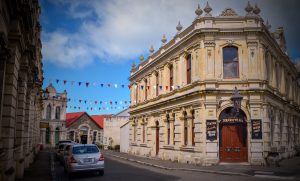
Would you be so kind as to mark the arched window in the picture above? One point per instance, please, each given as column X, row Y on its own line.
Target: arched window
column 171, row 77
column 188, row 69
column 230, row 62
column 57, row 112
column 48, row 112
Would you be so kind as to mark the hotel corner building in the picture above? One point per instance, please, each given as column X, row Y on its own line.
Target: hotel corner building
column 181, row 108
column 21, row 76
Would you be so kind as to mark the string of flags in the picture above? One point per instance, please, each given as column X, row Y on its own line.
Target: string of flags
column 97, row 108
column 81, row 101
column 112, row 85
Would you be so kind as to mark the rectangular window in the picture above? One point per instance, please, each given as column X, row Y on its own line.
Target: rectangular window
column 230, row 62
column 171, row 78
column 188, row 69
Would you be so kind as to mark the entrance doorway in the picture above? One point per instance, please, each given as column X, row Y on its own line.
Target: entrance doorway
column 157, row 137
column 83, row 139
column 233, row 136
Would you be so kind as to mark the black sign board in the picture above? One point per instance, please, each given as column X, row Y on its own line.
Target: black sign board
column 256, row 129
column 211, row 130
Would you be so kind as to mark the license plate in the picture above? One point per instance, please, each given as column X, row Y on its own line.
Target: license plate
column 87, row 160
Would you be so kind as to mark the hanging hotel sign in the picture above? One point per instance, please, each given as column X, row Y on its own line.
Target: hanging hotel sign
column 44, row 125
column 211, row 130
column 256, row 129
column 232, row 120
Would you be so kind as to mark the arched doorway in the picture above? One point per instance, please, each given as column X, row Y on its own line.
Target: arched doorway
column 157, row 137
column 233, row 136
column 56, row 135
column 84, row 134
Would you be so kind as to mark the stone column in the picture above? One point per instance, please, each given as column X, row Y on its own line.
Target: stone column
column 172, row 136
column 20, row 122
column 165, row 121
column 189, row 119
column 181, row 118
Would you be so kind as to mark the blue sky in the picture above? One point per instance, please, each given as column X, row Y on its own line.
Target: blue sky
column 97, row 40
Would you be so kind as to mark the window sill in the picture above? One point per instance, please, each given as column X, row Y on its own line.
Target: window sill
column 168, row 147
column 187, row 148
column 133, row 144
column 143, row 145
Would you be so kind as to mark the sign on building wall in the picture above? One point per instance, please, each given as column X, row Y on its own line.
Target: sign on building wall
column 256, row 129
column 211, row 130
column 44, row 125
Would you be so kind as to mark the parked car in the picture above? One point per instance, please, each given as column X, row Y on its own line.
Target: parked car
column 84, row 157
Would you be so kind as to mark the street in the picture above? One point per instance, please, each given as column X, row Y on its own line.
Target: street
column 117, row 169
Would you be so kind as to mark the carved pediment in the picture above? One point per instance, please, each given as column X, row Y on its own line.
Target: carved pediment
column 228, row 12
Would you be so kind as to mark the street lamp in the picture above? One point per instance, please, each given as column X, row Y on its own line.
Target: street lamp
column 236, row 99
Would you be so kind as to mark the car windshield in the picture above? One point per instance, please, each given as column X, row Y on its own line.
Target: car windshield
column 85, row 149
column 60, row 147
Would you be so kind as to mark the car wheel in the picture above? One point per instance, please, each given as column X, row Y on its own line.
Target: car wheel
column 70, row 175
column 101, row 172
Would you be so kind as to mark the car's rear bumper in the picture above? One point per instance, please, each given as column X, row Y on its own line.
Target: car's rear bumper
column 75, row 167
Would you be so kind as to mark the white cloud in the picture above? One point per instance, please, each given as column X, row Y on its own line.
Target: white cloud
column 120, row 30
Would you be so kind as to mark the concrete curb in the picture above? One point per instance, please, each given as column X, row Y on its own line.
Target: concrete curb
column 182, row 169
column 52, row 168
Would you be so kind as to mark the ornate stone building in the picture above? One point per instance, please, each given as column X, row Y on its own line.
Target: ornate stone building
column 181, row 106
column 21, row 76
column 53, row 124
column 84, row 128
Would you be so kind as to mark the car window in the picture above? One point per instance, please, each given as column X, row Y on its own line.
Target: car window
column 85, row 149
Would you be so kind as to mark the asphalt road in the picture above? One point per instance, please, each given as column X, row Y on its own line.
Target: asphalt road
column 116, row 169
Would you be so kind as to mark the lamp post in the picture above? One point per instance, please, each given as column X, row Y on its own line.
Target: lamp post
column 236, row 99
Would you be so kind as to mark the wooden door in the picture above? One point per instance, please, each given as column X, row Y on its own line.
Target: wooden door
column 233, row 143
column 157, row 140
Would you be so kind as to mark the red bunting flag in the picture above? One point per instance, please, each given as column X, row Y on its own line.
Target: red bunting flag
column 96, row 102
column 65, row 81
column 166, row 87
column 148, row 87
column 108, row 85
column 129, row 86
column 110, row 102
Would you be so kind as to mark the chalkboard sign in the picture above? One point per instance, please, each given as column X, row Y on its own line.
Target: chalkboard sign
column 256, row 129
column 211, row 130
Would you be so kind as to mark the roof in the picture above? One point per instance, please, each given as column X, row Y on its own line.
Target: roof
column 72, row 117
column 123, row 113
column 98, row 119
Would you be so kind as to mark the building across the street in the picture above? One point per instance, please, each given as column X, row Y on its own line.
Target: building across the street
column 53, row 124
column 112, row 128
column 124, row 137
column 86, row 129
column 21, row 77
column 222, row 90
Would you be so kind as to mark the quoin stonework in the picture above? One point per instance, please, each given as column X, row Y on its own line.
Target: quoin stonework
column 181, row 95
column 21, row 76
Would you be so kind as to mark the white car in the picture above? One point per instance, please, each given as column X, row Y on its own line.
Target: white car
column 84, row 157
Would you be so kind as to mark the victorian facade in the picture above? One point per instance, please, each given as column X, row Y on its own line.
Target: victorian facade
column 181, row 108
column 112, row 126
column 86, row 129
column 21, row 76
column 53, row 124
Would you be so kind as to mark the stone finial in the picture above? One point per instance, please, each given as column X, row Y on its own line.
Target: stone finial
column 178, row 27
column 256, row 10
column 248, row 8
column 207, row 9
column 151, row 50
column 268, row 25
column 198, row 11
column 164, row 39
column 133, row 65
column 141, row 58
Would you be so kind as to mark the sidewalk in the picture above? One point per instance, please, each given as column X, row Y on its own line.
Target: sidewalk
column 289, row 169
column 40, row 169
